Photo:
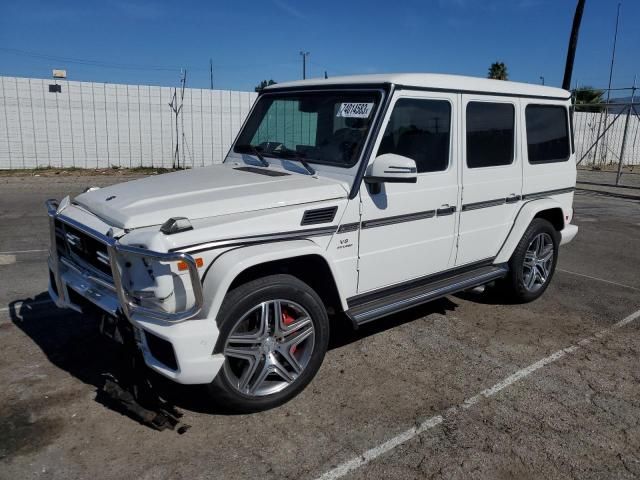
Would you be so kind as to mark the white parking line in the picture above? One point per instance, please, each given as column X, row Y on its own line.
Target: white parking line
column 7, row 259
column 373, row 453
column 23, row 251
column 597, row 278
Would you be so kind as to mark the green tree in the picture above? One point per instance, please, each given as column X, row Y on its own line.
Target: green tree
column 588, row 95
column 498, row 71
column 588, row 99
column 265, row 83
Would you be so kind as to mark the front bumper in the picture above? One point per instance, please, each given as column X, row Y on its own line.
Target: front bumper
column 188, row 357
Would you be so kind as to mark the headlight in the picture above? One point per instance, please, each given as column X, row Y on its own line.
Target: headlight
column 157, row 284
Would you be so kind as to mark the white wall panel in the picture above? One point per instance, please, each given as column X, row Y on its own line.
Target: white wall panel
column 98, row 125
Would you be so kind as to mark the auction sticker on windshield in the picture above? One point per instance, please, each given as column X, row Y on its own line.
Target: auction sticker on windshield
column 355, row 110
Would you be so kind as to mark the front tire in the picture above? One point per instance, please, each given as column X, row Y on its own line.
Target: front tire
column 274, row 333
column 532, row 264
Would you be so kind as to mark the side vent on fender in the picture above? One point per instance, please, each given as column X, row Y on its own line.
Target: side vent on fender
column 319, row 215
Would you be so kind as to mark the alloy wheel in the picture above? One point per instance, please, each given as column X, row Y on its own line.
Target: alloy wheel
column 269, row 347
column 538, row 262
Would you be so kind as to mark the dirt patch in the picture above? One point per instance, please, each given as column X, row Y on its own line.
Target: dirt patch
column 26, row 428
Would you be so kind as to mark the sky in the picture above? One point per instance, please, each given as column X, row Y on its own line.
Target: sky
column 148, row 42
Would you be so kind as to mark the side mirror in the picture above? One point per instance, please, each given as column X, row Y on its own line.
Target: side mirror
column 390, row 168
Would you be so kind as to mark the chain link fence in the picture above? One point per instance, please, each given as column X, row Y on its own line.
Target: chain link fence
column 607, row 134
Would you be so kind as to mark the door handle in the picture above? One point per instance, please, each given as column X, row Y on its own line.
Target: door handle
column 445, row 209
column 513, row 198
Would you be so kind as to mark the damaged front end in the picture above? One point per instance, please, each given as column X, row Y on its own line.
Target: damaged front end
column 136, row 290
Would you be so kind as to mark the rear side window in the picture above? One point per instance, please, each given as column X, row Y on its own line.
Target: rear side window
column 490, row 135
column 547, row 133
column 420, row 130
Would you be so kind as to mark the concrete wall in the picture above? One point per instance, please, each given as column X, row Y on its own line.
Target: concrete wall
column 98, row 125
column 586, row 126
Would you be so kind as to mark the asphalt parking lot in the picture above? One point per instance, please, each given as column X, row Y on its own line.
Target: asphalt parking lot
column 459, row 388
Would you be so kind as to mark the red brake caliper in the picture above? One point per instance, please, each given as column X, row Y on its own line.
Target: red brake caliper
column 288, row 320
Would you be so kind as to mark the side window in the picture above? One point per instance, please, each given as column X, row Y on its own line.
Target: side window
column 547, row 133
column 420, row 130
column 490, row 137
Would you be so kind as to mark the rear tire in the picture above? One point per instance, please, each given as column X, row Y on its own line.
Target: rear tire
column 532, row 264
column 274, row 332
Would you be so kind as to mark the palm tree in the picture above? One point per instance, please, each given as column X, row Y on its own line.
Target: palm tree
column 498, row 71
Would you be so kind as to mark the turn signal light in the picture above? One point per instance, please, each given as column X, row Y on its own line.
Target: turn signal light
column 183, row 266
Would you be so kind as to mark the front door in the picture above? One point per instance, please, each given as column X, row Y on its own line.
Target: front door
column 408, row 229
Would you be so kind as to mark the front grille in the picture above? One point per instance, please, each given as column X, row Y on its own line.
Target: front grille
column 76, row 245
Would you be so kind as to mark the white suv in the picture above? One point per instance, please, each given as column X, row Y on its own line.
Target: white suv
column 355, row 197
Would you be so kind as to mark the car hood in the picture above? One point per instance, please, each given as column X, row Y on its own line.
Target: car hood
column 205, row 192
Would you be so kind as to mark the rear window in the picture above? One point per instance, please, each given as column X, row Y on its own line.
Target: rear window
column 547, row 133
column 490, row 135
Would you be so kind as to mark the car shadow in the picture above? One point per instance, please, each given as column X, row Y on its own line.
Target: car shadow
column 72, row 342
column 343, row 332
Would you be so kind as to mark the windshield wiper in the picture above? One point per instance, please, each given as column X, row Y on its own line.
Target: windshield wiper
column 248, row 148
column 299, row 157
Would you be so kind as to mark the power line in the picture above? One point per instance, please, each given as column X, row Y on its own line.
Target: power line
column 133, row 66
column 88, row 62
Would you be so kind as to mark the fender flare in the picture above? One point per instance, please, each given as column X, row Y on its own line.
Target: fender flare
column 527, row 213
column 228, row 265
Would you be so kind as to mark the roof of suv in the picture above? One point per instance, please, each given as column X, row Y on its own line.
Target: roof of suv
column 436, row 82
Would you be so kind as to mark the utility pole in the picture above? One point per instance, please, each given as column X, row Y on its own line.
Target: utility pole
column 211, row 73
column 304, row 64
column 325, row 74
column 542, row 79
column 573, row 43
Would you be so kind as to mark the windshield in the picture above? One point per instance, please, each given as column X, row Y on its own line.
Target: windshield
column 320, row 127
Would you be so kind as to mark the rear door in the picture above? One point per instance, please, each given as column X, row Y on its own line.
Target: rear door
column 491, row 175
column 408, row 229
column 549, row 168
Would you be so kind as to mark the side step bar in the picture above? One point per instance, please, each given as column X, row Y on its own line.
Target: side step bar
column 368, row 311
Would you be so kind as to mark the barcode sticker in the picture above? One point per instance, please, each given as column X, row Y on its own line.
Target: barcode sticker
column 355, row 110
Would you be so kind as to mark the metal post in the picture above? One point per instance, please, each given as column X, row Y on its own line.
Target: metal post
column 95, row 122
column 304, row 64
column 106, row 123
column 624, row 135
column 46, row 126
column 33, row 124
column 84, row 136
column 6, row 120
column 210, row 74
column 73, row 149
column 20, row 122
column 613, row 59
